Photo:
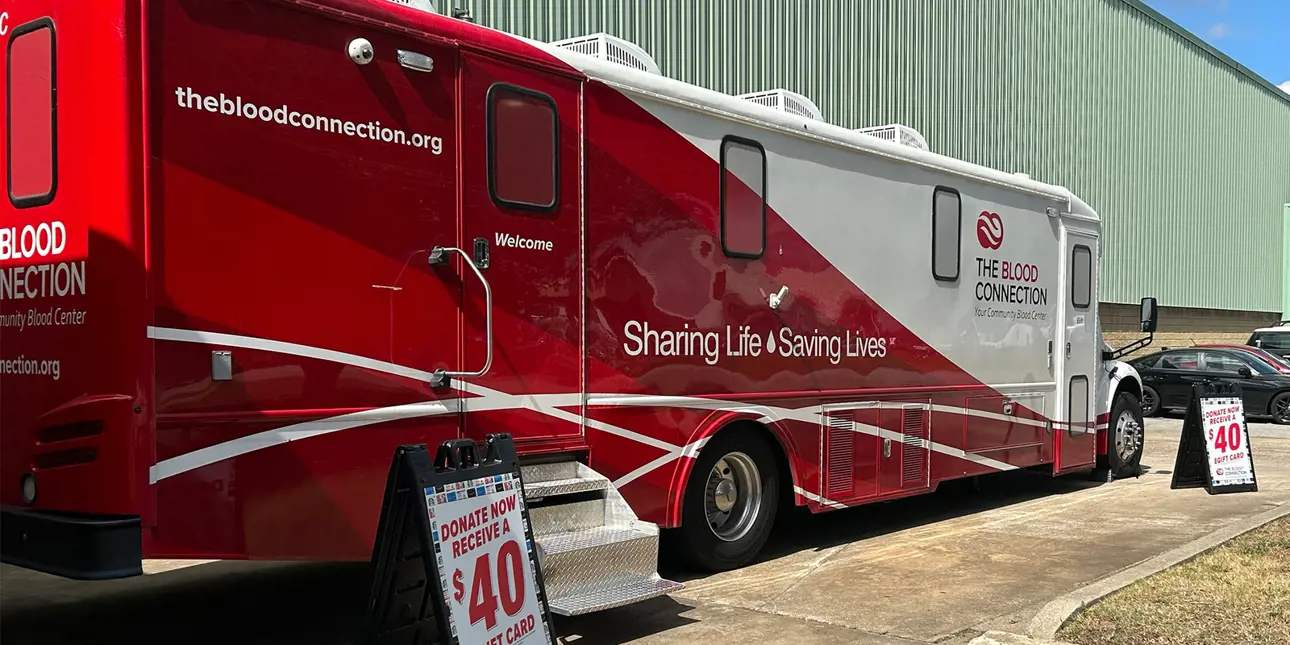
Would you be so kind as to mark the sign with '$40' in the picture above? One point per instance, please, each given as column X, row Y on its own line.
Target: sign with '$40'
column 485, row 564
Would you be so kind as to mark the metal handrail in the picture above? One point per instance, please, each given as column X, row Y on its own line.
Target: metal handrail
column 439, row 255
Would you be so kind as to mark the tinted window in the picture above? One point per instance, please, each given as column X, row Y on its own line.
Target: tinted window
column 1183, row 360
column 1271, row 359
column 523, row 150
column 1146, row 361
column 1223, row 362
column 947, row 211
column 30, row 107
column 1081, row 276
column 1259, row 362
column 743, row 198
column 1274, row 341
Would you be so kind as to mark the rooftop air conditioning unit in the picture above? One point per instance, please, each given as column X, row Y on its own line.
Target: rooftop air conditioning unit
column 786, row 101
column 897, row 133
column 612, row 49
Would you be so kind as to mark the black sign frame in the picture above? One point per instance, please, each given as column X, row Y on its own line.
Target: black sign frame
column 407, row 604
column 1191, row 465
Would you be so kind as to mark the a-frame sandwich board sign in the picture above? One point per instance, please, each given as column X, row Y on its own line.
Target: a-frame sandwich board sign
column 1214, row 451
column 454, row 561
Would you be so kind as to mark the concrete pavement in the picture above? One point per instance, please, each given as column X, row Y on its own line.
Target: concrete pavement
column 940, row 568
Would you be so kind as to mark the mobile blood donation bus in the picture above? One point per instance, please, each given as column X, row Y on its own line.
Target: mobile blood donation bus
column 250, row 246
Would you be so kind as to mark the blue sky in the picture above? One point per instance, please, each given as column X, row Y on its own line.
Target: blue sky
column 1254, row 32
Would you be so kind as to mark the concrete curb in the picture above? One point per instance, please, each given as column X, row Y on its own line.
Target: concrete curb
column 1051, row 618
column 1008, row 638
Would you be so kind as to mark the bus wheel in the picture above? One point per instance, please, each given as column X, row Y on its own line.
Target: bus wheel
column 731, row 500
column 1126, row 436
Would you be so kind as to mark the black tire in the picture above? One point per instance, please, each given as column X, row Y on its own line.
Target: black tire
column 1124, row 442
column 1279, row 408
column 696, row 540
column 1150, row 401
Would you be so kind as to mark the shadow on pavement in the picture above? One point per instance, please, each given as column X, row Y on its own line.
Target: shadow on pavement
column 319, row 603
column 224, row 602
column 799, row 529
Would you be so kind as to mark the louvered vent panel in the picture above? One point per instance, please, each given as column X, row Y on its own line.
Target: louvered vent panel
column 840, row 449
column 914, row 457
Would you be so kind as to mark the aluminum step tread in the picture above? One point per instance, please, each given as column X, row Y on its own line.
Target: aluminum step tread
column 563, row 487
column 535, row 473
column 620, row 591
column 555, row 543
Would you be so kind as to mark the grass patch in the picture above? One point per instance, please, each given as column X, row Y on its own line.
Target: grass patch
column 1237, row 593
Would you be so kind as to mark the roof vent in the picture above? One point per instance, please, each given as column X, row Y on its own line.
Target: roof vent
column 897, row 133
column 786, row 101
column 612, row 49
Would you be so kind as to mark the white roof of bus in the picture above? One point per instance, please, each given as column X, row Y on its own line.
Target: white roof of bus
column 672, row 90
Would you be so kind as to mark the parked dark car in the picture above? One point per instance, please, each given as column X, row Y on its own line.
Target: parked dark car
column 1168, row 376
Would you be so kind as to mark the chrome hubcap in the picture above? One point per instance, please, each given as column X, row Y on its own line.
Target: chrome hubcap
column 725, row 496
column 1128, row 436
column 733, row 496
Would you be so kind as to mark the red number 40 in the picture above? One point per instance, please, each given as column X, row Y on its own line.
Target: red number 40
column 1228, row 438
column 510, row 582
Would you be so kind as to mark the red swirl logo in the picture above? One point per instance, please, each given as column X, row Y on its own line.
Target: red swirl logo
column 989, row 230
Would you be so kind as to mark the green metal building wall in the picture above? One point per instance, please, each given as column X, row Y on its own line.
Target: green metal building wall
column 1186, row 157
column 1285, row 264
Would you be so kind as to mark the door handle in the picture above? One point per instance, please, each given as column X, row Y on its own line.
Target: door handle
column 1068, row 349
column 481, row 252
column 439, row 255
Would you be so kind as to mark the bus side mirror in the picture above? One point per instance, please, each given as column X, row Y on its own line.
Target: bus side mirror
column 1149, row 315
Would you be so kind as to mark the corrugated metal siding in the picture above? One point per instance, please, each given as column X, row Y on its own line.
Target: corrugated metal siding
column 1285, row 265
column 1187, row 161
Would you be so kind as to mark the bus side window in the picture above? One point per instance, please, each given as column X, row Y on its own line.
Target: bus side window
column 947, row 233
column 1081, row 276
column 32, row 157
column 743, row 198
column 523, row 148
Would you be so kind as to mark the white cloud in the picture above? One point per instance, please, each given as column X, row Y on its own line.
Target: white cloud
column 1219, row 31
column 1285, row 87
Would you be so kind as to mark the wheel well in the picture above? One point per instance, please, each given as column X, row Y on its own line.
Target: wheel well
column 772, row 440
column 1132, row 386
column 777, row 448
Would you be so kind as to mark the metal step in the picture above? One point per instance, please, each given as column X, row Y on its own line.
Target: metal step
column 568, row 486
column 581, row 561
column 619, row 591
column 595, row 553
column 562, row 518
column 535, row 473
